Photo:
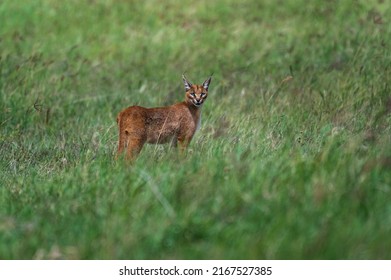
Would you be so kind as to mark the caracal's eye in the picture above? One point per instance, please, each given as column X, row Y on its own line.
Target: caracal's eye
column 192, row 94
column 203, row 94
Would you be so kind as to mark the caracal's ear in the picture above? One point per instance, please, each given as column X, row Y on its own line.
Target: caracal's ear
column 207, row 82
column 188, row 85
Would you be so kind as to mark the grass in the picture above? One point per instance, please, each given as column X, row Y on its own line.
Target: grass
column 292, row 161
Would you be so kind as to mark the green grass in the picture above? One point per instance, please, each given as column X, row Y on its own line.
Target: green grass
column 281, row 168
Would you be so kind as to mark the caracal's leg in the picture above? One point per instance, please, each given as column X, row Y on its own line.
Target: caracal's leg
column 134, row 148
column 174, row 143
column 183, row 143
column 121, row 143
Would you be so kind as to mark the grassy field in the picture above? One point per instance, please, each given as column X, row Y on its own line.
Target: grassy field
column 293, row 159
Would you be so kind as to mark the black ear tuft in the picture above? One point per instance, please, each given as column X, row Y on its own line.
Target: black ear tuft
column 186, row 82
column 207, row 82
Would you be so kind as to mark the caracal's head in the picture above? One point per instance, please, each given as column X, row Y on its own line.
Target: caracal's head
column 196, row 94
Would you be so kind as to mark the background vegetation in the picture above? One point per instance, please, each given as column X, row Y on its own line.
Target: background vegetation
column 292, row 161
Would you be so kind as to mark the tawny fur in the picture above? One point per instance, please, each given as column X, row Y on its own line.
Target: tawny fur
column 175, row 124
